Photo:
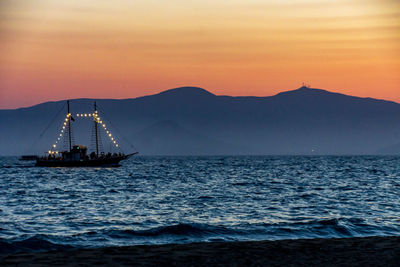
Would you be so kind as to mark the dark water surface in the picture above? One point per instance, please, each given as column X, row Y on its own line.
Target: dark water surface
column 189, row 199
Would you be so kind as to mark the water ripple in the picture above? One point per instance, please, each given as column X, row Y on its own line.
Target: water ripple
column 188, row 199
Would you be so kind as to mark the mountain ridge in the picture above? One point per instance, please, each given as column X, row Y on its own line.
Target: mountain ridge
column 196, row 91
column 301, row 121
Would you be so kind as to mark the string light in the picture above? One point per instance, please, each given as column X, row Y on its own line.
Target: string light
column 96, row 118
column 54, row 146
column 86, row 114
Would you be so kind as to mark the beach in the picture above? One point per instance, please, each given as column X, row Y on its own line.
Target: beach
column 366, row 251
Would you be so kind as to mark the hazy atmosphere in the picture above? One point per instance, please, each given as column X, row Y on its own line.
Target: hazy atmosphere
column 193, row 121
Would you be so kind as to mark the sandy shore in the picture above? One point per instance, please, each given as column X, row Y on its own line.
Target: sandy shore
column 369, row 251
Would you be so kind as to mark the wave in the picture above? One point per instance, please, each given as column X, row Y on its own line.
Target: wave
column 194, row 232
column 36, row 243
column 183, row 229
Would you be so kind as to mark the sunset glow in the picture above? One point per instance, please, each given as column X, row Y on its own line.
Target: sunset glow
column 53, row 50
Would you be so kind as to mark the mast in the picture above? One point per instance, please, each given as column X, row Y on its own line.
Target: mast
column 69, row 127
column 95, row 127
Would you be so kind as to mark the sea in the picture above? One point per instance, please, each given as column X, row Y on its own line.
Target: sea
column 162, row 200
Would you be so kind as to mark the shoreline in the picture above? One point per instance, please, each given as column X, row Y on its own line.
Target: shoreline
column 357, row 251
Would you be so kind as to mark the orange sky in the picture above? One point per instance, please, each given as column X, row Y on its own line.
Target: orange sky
column 59, row 49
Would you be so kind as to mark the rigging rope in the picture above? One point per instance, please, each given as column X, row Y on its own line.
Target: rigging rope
column 47, row 127
column 52, row 121
column 119, row 132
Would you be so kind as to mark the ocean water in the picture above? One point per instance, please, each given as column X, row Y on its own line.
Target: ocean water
column 157, row 200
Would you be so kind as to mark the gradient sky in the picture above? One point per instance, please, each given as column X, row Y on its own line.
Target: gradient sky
column 59, row 49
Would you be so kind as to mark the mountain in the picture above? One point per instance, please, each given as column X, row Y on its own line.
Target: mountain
column 169, row 138
column 191, row 120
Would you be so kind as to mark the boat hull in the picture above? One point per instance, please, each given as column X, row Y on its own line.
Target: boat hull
column 103, row 162
column 28, row 157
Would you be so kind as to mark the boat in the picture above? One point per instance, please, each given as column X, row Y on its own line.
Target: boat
column 77, row 155
column 28, row 157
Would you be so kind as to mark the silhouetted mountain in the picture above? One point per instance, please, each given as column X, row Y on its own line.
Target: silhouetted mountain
column 185, row 93
column 191, row 120
column 169, row 138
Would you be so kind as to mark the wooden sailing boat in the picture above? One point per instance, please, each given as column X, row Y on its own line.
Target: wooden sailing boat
column 77, row 155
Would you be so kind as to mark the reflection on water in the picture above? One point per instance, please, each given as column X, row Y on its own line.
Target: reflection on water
column 187, row 199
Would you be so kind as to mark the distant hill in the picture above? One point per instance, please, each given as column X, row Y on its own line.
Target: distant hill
column 193, row 121
column 169, row 138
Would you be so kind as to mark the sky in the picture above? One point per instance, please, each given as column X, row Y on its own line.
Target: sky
column 58, row 49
